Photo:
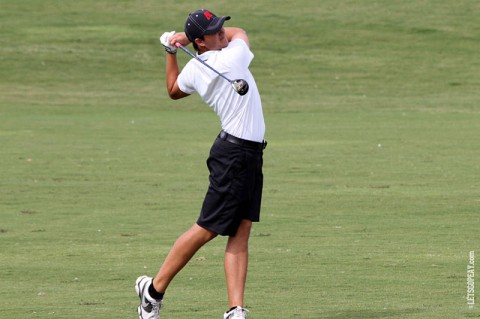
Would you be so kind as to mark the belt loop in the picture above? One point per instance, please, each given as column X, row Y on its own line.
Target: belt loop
column 223, row 135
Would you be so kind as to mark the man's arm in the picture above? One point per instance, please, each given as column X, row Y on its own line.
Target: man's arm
column 233, row 33
column 172, row 74
column 172, row 68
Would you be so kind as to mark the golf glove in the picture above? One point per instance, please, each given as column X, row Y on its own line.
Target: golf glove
column 164, row 41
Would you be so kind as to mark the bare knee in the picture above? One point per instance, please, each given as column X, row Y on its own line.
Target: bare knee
column 244, row 229
column 204, row 234
column 239, row 242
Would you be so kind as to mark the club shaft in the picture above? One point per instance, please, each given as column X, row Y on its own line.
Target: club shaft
column 201, row 61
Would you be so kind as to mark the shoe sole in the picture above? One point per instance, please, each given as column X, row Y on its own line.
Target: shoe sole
column 139, row 290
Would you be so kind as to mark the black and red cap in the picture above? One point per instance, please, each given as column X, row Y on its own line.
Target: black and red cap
column 202, row 22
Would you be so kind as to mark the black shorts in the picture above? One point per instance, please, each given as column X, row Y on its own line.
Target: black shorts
column 235, row 190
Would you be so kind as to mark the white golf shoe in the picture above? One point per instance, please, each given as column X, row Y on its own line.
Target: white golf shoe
column 236, row 313
column 149, row 308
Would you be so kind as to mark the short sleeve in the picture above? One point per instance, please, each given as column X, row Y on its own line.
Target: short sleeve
column 184, row 80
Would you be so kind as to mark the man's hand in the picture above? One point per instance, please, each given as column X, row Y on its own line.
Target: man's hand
column 165, row 41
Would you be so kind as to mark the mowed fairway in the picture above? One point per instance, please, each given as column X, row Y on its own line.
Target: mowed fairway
column 372, row 172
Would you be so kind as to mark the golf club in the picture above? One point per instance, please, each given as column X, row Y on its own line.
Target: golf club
column 240, row 86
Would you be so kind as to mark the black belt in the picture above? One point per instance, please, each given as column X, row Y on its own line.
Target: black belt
column 240, row 141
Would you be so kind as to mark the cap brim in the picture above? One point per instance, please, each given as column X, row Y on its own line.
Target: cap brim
column 216, row 25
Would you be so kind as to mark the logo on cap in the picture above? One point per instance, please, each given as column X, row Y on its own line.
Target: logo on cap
column 208, row 15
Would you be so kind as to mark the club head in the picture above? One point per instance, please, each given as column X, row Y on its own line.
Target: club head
column 240, row 86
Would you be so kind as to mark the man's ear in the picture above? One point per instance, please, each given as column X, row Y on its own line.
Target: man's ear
column 200, row 43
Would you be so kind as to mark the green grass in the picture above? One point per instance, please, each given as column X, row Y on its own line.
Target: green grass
column 371, row 194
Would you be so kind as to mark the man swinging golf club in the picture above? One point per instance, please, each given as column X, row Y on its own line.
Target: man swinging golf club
column 234, row 195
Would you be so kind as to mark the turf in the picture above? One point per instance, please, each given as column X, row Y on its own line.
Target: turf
column 371, row 192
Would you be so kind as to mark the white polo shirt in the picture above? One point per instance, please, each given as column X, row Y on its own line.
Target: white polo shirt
column 240, row 116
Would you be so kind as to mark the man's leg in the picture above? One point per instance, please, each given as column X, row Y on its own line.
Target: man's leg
column 236, row 263
column 182, row 251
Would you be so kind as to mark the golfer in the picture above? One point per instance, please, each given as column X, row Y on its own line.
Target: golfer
column 233, row 199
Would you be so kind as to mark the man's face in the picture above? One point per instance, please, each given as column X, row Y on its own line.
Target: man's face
column 216, row 41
